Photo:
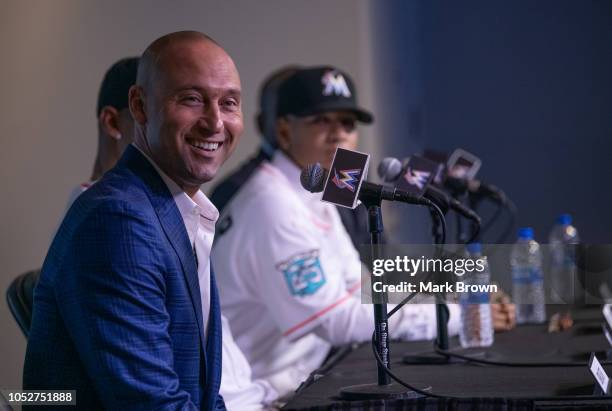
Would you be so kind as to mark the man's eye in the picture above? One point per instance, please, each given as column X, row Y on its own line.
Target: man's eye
column 231, row 103
column 191, row 99
column 322, row 120
column 348, row 123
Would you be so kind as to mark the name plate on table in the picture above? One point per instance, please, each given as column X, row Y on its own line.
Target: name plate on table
column 600, row 374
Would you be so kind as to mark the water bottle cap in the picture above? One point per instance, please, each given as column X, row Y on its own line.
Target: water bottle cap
column 525, row 233
column 474, row 248
column 564, row 219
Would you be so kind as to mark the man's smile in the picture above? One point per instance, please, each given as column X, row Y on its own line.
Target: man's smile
column 210, row 146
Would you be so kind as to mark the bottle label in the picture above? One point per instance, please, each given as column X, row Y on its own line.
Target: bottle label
column 563, row 258
column 475, row 298
column 527, row 275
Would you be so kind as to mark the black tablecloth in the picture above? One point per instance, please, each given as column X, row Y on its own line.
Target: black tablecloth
column 480, row 387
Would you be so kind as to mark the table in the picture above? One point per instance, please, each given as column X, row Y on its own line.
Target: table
column 480, row 387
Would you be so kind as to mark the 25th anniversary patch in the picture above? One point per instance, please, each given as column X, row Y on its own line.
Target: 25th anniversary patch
column 303, row 273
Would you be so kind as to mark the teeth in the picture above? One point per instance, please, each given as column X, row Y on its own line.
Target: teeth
column 205, row 146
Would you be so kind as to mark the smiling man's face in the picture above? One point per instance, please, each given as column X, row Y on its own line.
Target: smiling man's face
column 193, row 112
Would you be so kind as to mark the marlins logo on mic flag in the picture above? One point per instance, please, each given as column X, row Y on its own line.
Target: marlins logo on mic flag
column 416, row 175
column 348, row 180
column 347, row 171
column 417, row 178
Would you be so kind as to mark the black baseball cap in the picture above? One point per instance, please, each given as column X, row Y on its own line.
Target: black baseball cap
column 317, row 90
column 116, row 84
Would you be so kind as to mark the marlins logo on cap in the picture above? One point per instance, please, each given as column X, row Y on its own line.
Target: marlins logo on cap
column 335, row 83
column 317, row 90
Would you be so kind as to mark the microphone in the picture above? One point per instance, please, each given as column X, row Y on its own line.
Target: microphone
column 475, row 187
column 313, row 180
column 390, row 169
column 459, row 184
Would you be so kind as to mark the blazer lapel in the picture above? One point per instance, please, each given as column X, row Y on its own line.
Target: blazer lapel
column 172, row 224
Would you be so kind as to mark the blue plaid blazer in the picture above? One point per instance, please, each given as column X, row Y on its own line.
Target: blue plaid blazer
column 117, row 312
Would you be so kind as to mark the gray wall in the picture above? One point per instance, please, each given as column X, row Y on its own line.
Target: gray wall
column 54, row 54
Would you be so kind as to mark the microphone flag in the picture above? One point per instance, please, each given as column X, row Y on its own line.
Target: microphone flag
column 348, row 170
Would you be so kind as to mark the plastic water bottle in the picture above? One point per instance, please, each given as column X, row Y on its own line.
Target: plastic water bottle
column 476, row 322
column 563, row 274
column 527, row 280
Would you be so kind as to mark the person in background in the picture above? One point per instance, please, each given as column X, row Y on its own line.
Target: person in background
column 354, row 221
column 223, row 192
column 290, row 271
column 115, row 123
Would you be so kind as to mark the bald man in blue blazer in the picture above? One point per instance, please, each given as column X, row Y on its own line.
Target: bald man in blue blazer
column 126, row 311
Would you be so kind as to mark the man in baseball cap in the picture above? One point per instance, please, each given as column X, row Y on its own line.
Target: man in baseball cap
column 318, row 112
column 355, row 221
column 265, row 121
column 289, row 273
column 317, row 90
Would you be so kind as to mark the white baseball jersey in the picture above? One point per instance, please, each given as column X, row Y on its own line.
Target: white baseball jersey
column 239, row 390
column 289, row 278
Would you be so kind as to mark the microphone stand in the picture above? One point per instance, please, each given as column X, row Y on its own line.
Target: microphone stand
column 442, row 317
column 384, row 388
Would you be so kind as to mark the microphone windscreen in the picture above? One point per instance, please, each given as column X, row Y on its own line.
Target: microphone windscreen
column 313, row 178
column 389, row 169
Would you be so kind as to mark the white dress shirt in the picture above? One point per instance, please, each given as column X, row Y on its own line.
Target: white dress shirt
column 238, row 389
column 200, row 216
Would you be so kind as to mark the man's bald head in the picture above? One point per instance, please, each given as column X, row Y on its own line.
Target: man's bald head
column 152, row 57
column 187, row 107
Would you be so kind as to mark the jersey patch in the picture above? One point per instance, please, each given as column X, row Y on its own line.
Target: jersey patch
column 303, row 273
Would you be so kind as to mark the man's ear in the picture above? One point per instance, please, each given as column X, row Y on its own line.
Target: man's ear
column 109, row 122
column 137, row 105
column 283, row 134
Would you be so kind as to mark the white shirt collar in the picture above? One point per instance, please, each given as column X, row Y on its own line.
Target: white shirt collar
column 188, row 206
